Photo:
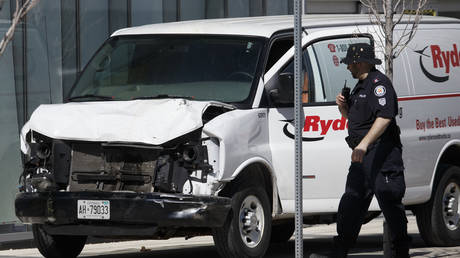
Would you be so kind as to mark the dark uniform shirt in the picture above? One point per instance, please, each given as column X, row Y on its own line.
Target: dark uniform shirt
column 371, row 98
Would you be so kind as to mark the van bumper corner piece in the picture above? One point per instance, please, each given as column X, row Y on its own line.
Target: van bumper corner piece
column 130, row 213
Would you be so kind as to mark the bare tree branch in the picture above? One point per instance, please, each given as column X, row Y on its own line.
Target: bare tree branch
column 394, row 13
column 408, row 34
column 375, row 13
column 375, row 19
column 19, row 13
column 385, row 11
column 401, row 15
column 395, row 9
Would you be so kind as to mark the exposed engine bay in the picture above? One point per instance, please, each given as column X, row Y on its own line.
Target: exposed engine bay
column 95, row 166
column 73, row 165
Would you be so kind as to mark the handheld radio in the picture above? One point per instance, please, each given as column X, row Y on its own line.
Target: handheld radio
column 345, row 91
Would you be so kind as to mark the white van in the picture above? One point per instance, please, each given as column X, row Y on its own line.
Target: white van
column 184, row 129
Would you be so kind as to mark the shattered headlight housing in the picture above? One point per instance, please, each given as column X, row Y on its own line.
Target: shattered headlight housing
column 37, row 175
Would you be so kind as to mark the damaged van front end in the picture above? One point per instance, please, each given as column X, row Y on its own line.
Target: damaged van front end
column 144, row 145
column 101, row 186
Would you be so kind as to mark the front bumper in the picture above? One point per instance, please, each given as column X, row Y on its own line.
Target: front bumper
column 130, row 213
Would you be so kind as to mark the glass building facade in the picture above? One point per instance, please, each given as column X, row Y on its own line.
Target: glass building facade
column 56, row 40
column 58, row 37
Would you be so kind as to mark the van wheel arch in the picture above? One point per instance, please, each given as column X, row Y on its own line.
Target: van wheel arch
column 254, row 175
column 448, row 158
column 429, row 216
column 432, row 216
column 247, row 230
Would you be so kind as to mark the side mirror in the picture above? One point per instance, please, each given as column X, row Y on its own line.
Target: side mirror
column 283, row 92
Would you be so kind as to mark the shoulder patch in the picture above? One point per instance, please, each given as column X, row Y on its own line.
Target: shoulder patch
column 380, row 90
column 376, row 80
column 382, row 101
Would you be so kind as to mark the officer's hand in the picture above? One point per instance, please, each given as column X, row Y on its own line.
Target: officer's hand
column 340, row 100
column 358, row 153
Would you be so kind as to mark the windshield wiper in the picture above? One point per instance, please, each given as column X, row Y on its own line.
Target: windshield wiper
column 165, row 96
column 90, row 96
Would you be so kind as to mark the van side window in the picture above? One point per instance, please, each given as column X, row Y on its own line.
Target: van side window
column 309, row 89
column 277, row 50
column 329, row 74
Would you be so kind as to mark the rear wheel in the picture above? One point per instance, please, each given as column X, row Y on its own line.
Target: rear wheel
column 439, row 220
column 57, row 246
column 246, row 233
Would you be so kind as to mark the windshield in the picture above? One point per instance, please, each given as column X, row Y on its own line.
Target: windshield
column 195, row 67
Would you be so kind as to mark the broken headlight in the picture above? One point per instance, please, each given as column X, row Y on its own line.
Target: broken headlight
column 44, row 157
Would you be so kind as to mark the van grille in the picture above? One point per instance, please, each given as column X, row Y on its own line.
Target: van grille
column 95, row 167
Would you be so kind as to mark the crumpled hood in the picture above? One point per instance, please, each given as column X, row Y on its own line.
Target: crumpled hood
column 138, row 121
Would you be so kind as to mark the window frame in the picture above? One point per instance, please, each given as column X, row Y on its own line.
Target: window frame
column 344, row 36
column 260, row 65
column 312, row 102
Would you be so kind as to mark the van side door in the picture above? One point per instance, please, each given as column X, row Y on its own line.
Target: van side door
column 326, row 157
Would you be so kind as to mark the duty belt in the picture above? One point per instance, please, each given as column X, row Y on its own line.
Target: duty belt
column 353, row 141
column 391, row 135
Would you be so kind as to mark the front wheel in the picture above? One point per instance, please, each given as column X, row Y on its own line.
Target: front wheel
column 57, row 246
column 246, row 233
column 439, row 220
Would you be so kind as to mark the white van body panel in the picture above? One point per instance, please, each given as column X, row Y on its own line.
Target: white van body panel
column 430, row 115
column 245, row 26
column 242, row 135
column 415, row 90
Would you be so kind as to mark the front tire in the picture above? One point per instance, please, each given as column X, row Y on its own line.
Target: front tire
column 57, row 246
column 246, row 233
column 439, row 220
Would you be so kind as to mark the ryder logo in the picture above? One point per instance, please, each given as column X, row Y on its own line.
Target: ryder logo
column 317, row 125
column 443, row 60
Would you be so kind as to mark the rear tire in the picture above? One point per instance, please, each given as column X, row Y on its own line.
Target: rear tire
column 57, row 246
column 439, row 219
column 246, row 233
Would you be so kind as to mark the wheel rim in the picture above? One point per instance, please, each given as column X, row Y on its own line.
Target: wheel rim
column 450, row 208
column 251, row 221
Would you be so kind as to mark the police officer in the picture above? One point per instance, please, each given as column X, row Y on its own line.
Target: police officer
column 376, row 160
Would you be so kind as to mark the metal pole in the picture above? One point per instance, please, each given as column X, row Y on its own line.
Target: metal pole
column 298, row 128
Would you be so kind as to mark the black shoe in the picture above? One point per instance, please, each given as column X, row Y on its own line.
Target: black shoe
column 339, row 250
column 401, row 249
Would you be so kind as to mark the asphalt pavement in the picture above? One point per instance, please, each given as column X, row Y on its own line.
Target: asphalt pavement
column 316, row 238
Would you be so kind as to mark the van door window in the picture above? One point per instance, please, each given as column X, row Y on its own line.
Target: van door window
column 329, row 75
column 324, row 75
column 307, row 84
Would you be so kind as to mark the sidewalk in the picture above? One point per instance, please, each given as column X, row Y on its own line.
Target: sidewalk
column 316, row 238
column 14, row 235
column 20, row 240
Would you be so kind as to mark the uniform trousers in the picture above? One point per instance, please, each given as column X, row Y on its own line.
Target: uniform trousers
column 363, row 181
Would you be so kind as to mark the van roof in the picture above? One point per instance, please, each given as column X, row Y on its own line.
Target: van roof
column 263, row 26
